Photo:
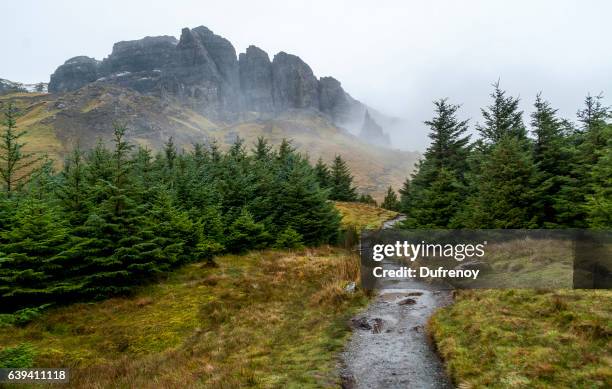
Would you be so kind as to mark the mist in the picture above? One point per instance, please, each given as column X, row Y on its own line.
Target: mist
column 396, row 57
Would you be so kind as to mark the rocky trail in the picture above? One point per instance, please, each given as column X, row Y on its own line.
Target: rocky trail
column 390, row 347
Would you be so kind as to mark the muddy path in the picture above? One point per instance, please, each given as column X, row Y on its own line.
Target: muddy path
column 389, row 347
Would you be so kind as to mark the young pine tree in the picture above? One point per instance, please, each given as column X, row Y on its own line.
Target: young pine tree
column 246, row 234
column 27, row 270
column 405, row 196
column 502, row 118
column 503, row 195
column 552, row 158
column 73, row 191
column 591, row 142
column 433, row 195
column 390, row 201
column 16, row 166
column 599, row 203
column 341, row 182
column 323, row 174
column 302, row 205
column 367, row 199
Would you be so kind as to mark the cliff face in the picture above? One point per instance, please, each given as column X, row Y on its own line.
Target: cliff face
column 201, row 69
column 372, row 132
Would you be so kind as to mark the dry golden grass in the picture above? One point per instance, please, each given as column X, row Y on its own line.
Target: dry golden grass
column 59, row 122
column 270, row 319
column 363, row 216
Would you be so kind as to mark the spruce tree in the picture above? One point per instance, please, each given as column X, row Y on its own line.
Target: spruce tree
column 405, row 196
column 301, row 205
column 367, row 198
column 16, row 166
column 262, row 150
column 73, row 191
column 432, row 196
column 436, row 205
column 323, row 174
column 590, row 143
column 341, row 182
column 552, row 158
column 244, row 234
column 503, row 196
column 599, row 202
column 449, row 144
column 390, row 201
column 27, row 270
column 502, row 118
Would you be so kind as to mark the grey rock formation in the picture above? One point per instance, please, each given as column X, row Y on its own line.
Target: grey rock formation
column 145, row 54
column 74, row 73
column 372, row 132
column 202, row 71
column 333, row 100
column 293, row 83
column 256, row 80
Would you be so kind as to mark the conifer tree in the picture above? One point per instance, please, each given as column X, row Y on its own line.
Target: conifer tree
column 502, row 118
column 262, row 150
column 27, row 270
column 432, row 196
column 73, row 190
column 551, row 156
column 390, row 201
column 504, row 195
column 449, row 144
column 303, row 206
column 245, row 233
column 323, row 174
column 591, row 141
column 367, row 198
column 599, row 203
column 405, row 196
column 341, row 182
column 16, row 166
column 289, row 239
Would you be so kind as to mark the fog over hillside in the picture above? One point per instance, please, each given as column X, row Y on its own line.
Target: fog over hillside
column 397, row 57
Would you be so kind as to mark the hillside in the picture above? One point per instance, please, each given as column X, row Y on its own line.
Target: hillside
column 58, row 122
column 213, row 338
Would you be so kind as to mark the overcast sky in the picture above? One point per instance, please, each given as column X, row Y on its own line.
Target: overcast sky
column 396, row 56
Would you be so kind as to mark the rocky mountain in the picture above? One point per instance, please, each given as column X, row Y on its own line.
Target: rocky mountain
column 57, row 123
column 202, row 71
column 373, row 133
column 196, row 89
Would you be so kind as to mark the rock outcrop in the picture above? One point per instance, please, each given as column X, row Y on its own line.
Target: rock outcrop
column 333, row 100
column 201, row 70
column 255, row 71
column 74, row 74
column 293, row 83
column 372, row 132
